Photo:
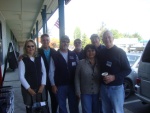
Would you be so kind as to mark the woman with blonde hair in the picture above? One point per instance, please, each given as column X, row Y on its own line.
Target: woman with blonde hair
column 32, row 74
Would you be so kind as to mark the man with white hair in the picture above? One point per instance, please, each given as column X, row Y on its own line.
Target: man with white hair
column 114, row 62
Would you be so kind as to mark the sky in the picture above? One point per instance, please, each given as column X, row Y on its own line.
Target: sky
column 126, row 16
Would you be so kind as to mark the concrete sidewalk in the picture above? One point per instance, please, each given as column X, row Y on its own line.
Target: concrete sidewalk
column 12, row 79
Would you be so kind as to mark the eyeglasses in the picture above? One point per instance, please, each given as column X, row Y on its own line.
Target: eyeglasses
column 65, row 42
column 77, row 42
column 31, row 46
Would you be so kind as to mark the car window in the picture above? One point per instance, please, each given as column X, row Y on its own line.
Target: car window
column 146, row 54
column 132, row 59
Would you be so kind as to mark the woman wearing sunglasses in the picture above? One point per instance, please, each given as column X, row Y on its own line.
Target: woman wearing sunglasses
column 32, row 74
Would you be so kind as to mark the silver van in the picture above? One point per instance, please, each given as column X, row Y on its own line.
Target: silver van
column 142, row 87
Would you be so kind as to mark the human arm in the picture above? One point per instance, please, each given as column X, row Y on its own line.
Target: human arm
column 51, row 75
column 122, row 70
column 43, row 81
column 109, row 78
column 77, row 80
column 125, row 67
column 23, row 81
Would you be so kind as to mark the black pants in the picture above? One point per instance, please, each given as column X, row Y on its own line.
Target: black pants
column 54, row 103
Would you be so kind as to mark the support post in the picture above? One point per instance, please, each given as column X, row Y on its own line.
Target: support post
column 61, row 18
column 43, row 13
column 37, row 38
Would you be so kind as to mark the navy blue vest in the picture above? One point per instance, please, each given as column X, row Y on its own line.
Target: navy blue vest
column 64, row 72
column 41, row 52
column 33, row 73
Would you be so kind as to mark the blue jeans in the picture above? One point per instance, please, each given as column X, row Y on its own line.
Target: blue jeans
column 112, row 98
column 90, row 103
column 64, row 93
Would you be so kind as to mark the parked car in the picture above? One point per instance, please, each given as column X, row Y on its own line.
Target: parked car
column 142, row 88
column 130, row 80
column 136, row 49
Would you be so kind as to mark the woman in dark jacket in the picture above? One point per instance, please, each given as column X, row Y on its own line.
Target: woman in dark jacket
column 32, row 74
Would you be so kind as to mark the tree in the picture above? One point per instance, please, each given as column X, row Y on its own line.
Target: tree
column 54, row 42
column 116, row 33
column 126, row 35
column 85, row 40
column 77, row 33
column 101, row 30
column 136, row 35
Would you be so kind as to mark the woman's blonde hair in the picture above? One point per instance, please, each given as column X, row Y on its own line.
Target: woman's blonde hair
column 25, row 47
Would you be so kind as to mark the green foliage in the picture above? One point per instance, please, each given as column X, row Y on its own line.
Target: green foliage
column 101, row 30
column 136, row 35
column 77, row 33
column 85, row 40
column 116, row 34
column 126, row 35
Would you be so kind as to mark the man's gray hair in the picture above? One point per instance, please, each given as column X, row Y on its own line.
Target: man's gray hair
column 64, row 37
column 107, row 31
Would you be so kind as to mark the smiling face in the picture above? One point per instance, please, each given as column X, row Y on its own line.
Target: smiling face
column 90, row 53
column 108, row 39
column 95, row 41
column 78, row 44
column 45, row 41
column 64, row 44
column 30, row 48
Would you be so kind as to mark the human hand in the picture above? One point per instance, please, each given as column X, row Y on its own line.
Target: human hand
column 31, row 91
column 54, row 89
column 78, row 96
column 41, row 89
column 20, row 58
column 109, row 78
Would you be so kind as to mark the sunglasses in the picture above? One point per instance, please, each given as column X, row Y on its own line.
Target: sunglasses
column 77, row 42
column 32, row 46
column 65, row 42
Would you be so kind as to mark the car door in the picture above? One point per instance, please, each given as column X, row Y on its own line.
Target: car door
column 144, row 72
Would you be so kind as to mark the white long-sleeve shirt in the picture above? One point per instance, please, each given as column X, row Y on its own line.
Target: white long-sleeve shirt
column 23, row 81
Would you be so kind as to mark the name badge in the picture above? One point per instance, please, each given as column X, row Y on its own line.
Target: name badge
column 108, row 63
column 73, row 63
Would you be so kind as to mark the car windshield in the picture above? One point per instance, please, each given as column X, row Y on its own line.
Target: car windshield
column 132, row 59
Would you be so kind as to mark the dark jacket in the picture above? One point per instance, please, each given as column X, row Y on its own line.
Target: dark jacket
column 80, row 54
column 64, row 72
column 33, row 73
column 47, row 64
column 100, row 48
column 115, row 62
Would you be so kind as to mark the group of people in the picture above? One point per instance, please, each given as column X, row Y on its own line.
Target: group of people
column 75, row 75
